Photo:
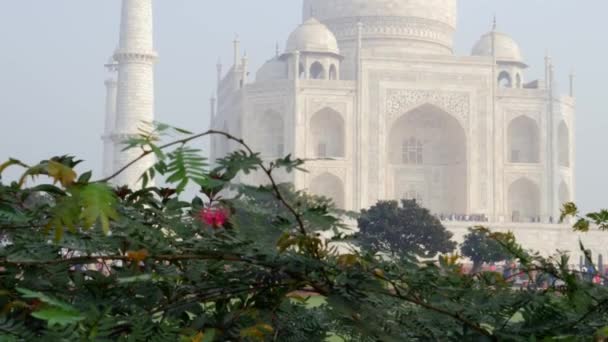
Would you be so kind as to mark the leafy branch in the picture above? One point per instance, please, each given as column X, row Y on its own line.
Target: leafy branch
column 267, row 170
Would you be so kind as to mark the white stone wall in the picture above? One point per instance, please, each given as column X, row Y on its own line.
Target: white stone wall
column 544, row 238
column 383, row 83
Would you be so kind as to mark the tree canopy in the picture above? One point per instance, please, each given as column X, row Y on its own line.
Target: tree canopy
column 403, row 229
column 480, row 248
column 82, row 260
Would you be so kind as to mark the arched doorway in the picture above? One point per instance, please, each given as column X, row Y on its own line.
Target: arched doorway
column 428, row 157
column 268, row 134
column 504, row 80
column 329, row 186
column 563, row 142
column 524, row 142
column 524, row 201
column 317, row 71
column 326, row 134
column 333, row 72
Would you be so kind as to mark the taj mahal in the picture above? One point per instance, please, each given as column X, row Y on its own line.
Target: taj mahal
column 371, row 93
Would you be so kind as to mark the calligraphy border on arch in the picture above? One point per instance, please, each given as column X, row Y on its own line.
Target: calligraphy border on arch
column 400, row 101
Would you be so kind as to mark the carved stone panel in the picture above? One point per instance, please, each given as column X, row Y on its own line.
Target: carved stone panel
column 400, row 101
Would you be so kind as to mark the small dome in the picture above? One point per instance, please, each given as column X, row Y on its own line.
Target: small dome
column 507, row 50
column 312, row 36
column 274, row 69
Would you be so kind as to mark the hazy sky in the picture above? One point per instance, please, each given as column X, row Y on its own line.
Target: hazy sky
column 52, row 54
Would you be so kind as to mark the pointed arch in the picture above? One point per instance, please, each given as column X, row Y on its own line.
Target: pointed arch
column 505, row 80
column 427, row 150
column 524, row 141
column 333, row 72
column 563, row 143
column 329, row 186
column 327, row 134
column 524, row 201
column 268, row 133
column 317, row 71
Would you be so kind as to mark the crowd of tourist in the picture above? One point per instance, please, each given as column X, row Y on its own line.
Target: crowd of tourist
column 513, row 274
column 484, row 218
column 463, row 217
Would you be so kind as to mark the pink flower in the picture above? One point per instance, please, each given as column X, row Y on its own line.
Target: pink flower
column 215, row 217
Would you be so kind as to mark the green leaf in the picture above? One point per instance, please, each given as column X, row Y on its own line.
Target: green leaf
column 290, row 164
column 29, row 294
column 568, row 210
column 85, row 177
column 58, row 316
column 10, row 163
column 603, row 332
column 600, row 219
column 55, row 311
column 582, row 225
column 98, row 202
column 241, row 161
column 185, row 165
column 49, row 189
column 209, row 335
column 37, row 170
column 61, row 173
column 64, row 215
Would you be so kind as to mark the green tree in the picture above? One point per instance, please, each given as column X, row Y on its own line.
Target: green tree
column 480, row 248
column 403, row 229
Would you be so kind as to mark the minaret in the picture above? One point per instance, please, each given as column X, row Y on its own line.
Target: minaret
column 110, row 122
column 135, row 59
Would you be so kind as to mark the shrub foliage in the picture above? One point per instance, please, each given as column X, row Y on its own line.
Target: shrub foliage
column 83, row 261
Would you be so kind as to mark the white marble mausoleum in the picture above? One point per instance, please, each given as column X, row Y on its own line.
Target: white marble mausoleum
column 372, row 92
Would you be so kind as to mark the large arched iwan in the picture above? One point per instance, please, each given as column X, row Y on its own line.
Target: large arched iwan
column 427, row 150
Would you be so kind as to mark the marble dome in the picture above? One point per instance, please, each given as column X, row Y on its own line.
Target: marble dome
column 426, row 26
column 444, row 11
column 312, row 36
column 507, row 49
column 274, row 69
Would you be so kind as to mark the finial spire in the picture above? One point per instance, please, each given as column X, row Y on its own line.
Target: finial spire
column 572, row 77
column 236, row 44
column 494, row 23
column 312, row 11
column 276, row 51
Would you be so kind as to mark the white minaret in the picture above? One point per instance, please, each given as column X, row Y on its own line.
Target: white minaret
column 135, row 59
column 110, row 122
